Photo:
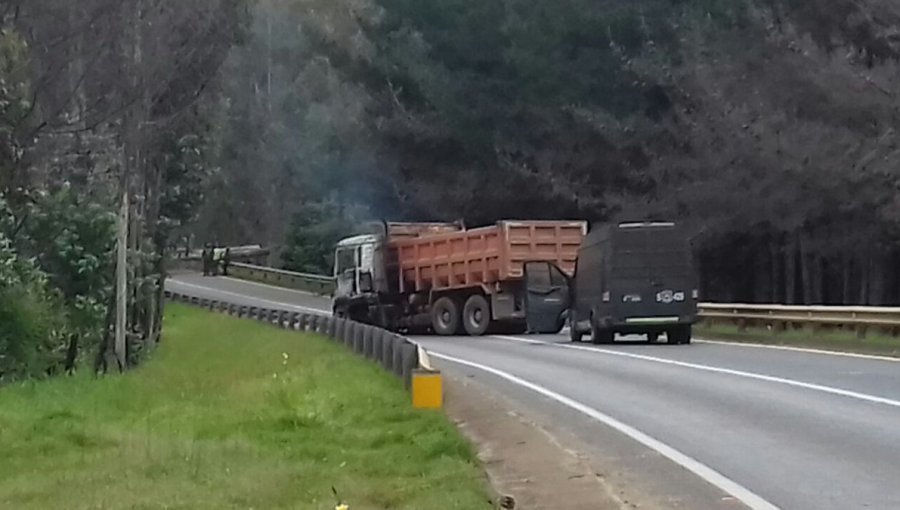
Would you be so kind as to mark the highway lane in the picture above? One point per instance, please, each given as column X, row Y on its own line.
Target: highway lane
column 800, row 430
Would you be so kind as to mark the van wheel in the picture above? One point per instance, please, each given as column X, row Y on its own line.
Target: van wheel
column 476, row 315
column 680, row 335
column 445, row 317
column 602, row 336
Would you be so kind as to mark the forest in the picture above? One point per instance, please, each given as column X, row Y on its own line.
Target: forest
column 106, row 140
column 767, row 126
column 130, row 127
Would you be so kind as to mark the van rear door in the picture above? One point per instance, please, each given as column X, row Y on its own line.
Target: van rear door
column 651, row 278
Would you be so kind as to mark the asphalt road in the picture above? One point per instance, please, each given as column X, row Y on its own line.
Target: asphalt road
column 773, row 428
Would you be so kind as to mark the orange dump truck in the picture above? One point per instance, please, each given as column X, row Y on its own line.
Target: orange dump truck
column 452, row 280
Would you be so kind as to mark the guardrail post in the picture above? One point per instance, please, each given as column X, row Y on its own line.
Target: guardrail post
column 387, row 350
column 367, row 341
column 331, row 330
column 167, row 294
column 397, row 361
column 185, row 298
column 377, row 350
column 347, row 337
column 410, row 361
column 338, row 329
column 321, row 324
column 252, row 312
column 213, row 304
column 292, row 320
column 359, row 338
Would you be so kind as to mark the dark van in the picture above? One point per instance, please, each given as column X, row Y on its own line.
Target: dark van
column 634, row 278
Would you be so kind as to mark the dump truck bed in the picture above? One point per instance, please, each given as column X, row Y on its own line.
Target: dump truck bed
column 484, row 256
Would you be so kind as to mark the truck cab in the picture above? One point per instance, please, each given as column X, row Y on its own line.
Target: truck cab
column 358, row 268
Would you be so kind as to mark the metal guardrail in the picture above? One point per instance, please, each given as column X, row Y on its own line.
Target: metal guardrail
column 857, row 318
column 316, row 284
column 779, row 317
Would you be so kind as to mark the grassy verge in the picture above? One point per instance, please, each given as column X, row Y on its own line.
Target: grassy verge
column 231, row 414
column 835, row 340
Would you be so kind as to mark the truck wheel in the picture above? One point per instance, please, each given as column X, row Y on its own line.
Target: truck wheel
column 445, row 317
column 476, row 315
column 574, row 334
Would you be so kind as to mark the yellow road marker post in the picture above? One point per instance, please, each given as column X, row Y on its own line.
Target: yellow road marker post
column 427, row 389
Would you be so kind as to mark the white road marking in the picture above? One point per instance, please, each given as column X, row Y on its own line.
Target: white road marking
column 707, row 368
column 727, row 485
column 258, row 300
column 802, row 349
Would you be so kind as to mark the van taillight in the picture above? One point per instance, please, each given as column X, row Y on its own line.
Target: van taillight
column 605, row 297
column 695, row 294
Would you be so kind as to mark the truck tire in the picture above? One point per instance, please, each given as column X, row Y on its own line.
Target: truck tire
column 476, row 316
column 574, row 334
column 445, row 317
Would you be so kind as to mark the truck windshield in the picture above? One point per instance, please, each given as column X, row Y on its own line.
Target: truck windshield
column 346, row 259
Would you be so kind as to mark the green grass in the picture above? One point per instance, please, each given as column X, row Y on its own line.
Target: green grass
column 220, row 418
column 828, row 339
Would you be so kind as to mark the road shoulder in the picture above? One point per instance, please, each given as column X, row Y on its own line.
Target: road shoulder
column 522, row 459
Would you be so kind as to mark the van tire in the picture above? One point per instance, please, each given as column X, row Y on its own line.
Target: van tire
column 476, row 316
column 680, row 335
column 445, row 318
column 600, row 336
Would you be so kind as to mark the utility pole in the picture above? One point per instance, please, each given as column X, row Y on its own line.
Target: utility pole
column 122, row 284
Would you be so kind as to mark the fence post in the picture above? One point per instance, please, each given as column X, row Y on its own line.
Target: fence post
column 295, row 318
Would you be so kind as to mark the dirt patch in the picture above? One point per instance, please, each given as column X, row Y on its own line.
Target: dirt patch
column 522, row 459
